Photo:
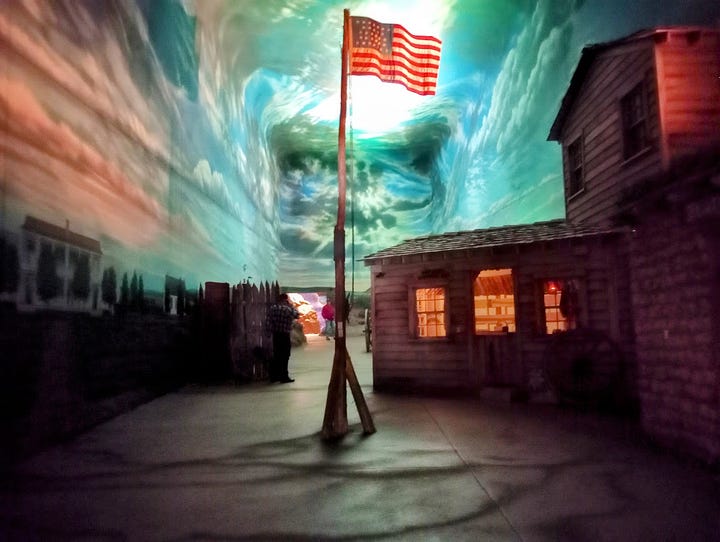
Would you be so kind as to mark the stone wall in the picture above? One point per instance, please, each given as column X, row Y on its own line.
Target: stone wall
column 675, row 283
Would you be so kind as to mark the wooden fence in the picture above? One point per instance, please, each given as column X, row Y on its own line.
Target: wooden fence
column 234, row 338
column 250, row 346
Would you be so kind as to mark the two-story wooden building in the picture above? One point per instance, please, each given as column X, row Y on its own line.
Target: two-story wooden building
column 638, row 113
column 640, row 132
column 620, row 301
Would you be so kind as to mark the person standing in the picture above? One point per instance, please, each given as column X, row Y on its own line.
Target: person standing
column 328, row 314
column 279, row 323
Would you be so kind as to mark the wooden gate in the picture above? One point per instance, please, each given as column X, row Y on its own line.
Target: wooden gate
column 250, row 346
column 234, row 339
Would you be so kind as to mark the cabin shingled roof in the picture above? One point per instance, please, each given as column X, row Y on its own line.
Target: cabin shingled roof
column 521, row 234
column 64, row 235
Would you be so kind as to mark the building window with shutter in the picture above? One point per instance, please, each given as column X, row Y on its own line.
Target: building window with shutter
column 634, row 121
column 576, row 180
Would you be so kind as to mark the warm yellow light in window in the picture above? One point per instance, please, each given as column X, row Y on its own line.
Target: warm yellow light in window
column 430, row 305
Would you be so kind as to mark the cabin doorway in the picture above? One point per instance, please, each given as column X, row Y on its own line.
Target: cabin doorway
column 495, row 357
column 494, row 341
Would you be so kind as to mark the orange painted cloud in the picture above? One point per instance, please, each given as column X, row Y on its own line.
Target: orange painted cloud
column 50, row 167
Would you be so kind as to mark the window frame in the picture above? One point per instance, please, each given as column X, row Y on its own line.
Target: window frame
column 413, row 320
column 635, row 115
column 541, row 319
column 575, row 180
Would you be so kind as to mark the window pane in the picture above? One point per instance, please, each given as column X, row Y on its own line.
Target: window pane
column 430, row 303
column 560, row 302
column 634, row 116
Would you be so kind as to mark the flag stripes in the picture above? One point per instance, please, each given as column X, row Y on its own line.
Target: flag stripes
column 394, row 55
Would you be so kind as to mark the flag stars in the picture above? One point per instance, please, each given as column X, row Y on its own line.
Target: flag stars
column 371, row 34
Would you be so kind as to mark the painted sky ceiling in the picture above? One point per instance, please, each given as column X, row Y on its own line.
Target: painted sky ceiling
column 199, row 139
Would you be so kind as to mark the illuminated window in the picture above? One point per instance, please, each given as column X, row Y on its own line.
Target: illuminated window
column 575, row 166
column 634, row 121
column 430, row 312
column 560, row 305
column 494, row 301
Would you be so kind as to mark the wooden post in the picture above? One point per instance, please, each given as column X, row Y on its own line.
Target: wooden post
column 363, row 410
column 335, row 423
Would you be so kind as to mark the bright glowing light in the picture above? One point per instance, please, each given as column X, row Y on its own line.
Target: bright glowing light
column 376, row 107
column 421, row 17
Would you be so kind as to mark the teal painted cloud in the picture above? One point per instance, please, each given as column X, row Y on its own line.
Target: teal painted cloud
column 199, row 139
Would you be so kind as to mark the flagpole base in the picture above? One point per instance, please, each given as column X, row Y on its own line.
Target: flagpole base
column 335, row 423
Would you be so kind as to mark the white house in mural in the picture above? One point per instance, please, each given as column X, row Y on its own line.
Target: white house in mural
column 59, row 268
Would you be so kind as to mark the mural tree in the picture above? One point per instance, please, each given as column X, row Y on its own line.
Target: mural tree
column 167, row 296
column 80, row 285
column 141, row 294
column 109, row 286
column 9, row 276
column 48, row 281
column 134, row 291
column 181, row 298
column 124, row 291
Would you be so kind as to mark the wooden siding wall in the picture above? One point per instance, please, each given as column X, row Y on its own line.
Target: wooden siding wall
column 689, row 91
column 403, row 362
column 604, row 299
column 675, row 263
column 596, row 116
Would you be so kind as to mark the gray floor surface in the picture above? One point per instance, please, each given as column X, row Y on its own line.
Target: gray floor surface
column 247, row 463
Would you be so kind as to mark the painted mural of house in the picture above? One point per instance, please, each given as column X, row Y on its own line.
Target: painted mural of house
column 174, row 298
column 59, row 268
column 617, row 304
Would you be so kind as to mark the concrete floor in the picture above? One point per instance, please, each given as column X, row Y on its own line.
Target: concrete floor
column 246, row 463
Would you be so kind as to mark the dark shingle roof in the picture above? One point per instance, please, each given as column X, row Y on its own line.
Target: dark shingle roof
column 537, row 232
column 61, row 234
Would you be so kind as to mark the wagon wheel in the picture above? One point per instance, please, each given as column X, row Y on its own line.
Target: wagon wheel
column 582, row 365
column 367, row 331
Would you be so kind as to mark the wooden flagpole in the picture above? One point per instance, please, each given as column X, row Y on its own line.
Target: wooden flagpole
column 335, row 424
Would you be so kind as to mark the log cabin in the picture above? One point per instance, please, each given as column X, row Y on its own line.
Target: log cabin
column 616, row 304
column 479, row 310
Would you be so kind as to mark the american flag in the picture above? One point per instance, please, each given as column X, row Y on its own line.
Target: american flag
column 393, row 54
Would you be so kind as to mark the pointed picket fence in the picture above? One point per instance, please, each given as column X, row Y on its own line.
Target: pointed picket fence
column 250, row 346
column 234, row 341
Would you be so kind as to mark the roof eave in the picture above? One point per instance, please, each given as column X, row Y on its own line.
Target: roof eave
column 587, row 57
column 373, row 258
